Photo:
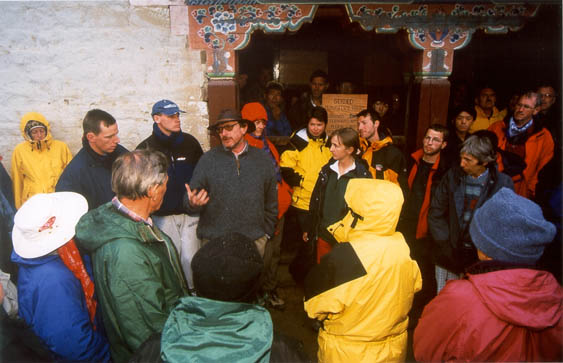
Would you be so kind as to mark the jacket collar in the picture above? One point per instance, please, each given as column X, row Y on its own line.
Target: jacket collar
column 481, row 267
column 172, row 140
column 418, row 154
column 377, row 145
column 104, row 160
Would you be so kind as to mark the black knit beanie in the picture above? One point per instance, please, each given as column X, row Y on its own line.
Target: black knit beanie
column 227, row 268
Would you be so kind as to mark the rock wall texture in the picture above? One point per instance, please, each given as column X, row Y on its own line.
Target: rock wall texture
column 64, row 58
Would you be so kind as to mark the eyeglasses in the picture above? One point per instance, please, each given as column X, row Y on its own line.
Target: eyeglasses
column 229, row 127
column 527, row 107
column 548, row 95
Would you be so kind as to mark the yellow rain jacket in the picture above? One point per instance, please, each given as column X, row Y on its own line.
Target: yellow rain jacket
column 300, row 167
column 483, row 122
column 363, row 289
column 37, row 165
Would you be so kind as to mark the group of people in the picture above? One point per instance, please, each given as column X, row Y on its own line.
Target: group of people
column 171, row 250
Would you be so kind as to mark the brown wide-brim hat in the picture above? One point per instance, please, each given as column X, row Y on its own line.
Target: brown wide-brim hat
column 229, row 115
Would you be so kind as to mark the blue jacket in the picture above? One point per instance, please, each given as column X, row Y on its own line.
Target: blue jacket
column 7, row 212
column 89, row 174
column 52, row 303
column 279, row 127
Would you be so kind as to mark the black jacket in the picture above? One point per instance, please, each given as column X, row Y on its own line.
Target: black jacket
column 446, row 208
column 318, row 197
column 183, row 152
column 89, row 174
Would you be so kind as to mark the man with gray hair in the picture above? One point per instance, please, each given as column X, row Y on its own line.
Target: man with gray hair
column 462, row 190
column 525, row 142
column 137, row 270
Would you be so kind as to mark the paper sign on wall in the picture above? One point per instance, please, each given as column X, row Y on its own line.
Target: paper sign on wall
column 342, row 110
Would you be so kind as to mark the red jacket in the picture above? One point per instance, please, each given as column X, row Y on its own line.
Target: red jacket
column 284, row 190
column 422, row 226
column 506, row 315
column 539, row 150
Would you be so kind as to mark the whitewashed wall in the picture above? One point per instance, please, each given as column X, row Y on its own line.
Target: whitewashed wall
column 64, row 58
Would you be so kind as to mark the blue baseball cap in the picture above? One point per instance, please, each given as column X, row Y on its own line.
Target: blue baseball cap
column 166, row 107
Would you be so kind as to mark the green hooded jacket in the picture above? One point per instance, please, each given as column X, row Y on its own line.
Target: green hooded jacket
column 137, row 274
column 204, row 330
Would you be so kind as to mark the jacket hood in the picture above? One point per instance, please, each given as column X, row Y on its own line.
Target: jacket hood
column 374, row 206
column 105, row 224
column 200, row 329
column 33, row 261
column 35, row 116
column 301, row 138
column 521, row 296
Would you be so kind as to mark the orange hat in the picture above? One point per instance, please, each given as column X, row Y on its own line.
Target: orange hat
column 254, row 111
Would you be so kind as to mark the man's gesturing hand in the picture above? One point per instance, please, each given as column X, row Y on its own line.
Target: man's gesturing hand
column 197, row 198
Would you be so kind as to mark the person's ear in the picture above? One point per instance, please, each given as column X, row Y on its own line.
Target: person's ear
column 90, row 136
column 151, row 192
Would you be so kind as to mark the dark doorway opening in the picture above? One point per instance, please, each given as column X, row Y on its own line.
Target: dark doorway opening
column 374, row 63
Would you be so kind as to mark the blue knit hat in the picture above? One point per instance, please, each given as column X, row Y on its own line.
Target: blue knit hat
column 511, row 228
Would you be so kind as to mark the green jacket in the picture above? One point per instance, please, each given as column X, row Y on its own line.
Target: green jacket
column 203, row 330
column 137, row 274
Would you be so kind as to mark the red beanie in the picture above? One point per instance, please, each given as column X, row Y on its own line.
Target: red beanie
column 254, row 111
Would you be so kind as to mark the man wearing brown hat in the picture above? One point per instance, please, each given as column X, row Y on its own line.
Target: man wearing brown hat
column 234, row 186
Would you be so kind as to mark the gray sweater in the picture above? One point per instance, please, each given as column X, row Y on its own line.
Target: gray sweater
column 242, row 196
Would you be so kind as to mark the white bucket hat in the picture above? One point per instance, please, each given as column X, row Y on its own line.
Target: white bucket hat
column 45, row 222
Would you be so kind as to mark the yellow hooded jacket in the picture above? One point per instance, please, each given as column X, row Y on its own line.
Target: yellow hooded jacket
column 304, row 163
column 363, row 289
column 37, row 165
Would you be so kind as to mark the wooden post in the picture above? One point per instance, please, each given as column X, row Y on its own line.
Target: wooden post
column 222, row 94
column 429, row 105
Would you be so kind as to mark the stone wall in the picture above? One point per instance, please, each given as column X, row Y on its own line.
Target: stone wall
column 63, row 58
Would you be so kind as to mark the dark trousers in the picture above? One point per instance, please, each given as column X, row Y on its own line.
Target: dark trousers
column 306, row 253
